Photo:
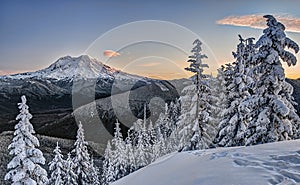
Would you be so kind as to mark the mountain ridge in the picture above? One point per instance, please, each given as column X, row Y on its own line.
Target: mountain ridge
column 68, row 67
column 51, row 100
column 53, row 95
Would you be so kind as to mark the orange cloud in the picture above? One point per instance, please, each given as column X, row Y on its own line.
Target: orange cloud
column 110, row 53
column 292, row 24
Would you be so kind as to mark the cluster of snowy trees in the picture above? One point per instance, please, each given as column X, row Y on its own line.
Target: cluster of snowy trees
column 77, row 170
column 259, row 108
column 144, row 143
column 26, row 165
column 248, row 103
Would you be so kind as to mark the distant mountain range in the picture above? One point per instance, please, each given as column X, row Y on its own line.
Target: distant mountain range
column 71, row 86
column 72, row 82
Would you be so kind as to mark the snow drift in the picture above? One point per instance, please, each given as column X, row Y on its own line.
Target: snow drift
column 273, row 163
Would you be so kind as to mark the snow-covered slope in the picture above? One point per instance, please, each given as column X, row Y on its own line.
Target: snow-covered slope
column 274, row 163
column 69, row 67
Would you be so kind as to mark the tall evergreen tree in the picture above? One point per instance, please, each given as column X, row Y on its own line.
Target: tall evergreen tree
column 108, row 174
column 83, row 167
column 120, row 160
column 187, row 117
column 159, row 145
column 233, row 124
column 25, row 166
column 196, row 107
column 141, row 147
column 270, row 110
column 57, row 168
column 131, row 157
column 221, row 89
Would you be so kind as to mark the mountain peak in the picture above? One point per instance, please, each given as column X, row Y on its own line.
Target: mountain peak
column 68, row 67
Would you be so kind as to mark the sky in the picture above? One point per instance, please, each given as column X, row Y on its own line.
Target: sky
column 34, row 34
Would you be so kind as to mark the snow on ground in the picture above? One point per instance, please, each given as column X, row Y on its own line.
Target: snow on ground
column 273, row 163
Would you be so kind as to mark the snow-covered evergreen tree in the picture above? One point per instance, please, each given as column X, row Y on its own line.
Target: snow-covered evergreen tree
column 188, row 115
column 159, row 145
column 25, row 166
column 83, row 167
column 147, row 137
column 57, row 168
column 141, row 152
column 196, row 64
column 270, row 110
column 197, row 107
column 221, row 90
column 70, row 176
column 94, row 173
column 108, row 174
column 170, row 117
column 233, row 124
column 142, row 146
column 163, row 122
column 131, row 167
column 120, row 160
column 151, row 137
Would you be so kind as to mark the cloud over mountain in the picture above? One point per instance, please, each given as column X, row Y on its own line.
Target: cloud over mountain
column 110, row 53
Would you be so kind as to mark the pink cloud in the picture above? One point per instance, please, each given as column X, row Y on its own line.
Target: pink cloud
column 292, row 24
column 110, row 53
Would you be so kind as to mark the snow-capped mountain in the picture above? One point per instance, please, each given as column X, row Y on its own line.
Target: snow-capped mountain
column 82, row 67
column 50, row 92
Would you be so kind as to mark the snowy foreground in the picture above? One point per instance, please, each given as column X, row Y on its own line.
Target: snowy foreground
column 274, row 163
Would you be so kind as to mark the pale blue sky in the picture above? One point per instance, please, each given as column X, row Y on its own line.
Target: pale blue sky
column 35, row 33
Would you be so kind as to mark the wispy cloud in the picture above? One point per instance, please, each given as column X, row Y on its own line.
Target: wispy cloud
column 150, row 64
column 291, row 23
column 110, row 53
